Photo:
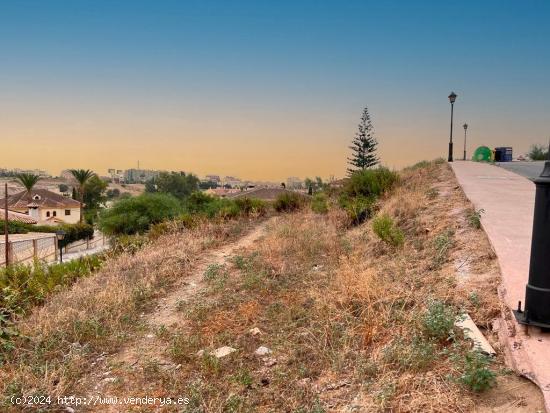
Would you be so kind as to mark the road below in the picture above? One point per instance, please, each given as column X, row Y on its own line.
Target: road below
column 529, row 170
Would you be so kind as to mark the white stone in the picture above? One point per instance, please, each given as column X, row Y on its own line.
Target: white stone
column 262, row 351
column 223, row 351
column 255, row 331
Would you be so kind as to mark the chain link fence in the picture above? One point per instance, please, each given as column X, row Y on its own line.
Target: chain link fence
column 27, row 250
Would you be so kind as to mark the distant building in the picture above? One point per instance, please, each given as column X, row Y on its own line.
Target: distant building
column 45, row 207
column 116, row 175
column 15, row 171
column 213, row 178
column 134, row 176
column 294, row 183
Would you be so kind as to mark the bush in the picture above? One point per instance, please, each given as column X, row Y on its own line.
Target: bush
column 319, row 203
column 474, row 217
column 136, row 215
column 476, row 373
column 15, row 227
column 213, row 207
column 358, row 209
column 387, row 231
column 370, row 182
column 538, row 153
column 439, row 320
column 73, row 232
column 251, row 206
column 26, row 285
column 289, row 201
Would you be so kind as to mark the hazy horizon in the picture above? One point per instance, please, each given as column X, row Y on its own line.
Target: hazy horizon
column 264, row 90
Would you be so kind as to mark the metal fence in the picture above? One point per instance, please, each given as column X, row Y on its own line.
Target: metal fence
column 43, row 248
column 27, row 250
column 86, row 244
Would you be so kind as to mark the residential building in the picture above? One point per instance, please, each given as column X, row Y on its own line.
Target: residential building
column 136, row 176
column 45, row 207
column 213, row 178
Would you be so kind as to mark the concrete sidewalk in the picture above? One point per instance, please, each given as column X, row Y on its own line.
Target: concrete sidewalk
column 508, row 201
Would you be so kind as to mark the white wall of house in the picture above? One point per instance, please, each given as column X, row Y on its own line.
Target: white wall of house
column 69, row 215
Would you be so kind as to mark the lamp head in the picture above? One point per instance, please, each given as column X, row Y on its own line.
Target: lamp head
column 452, row 97
column 60, row 235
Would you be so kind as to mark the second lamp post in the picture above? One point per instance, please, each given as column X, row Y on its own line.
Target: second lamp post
column 452, row 98
column 465, row 129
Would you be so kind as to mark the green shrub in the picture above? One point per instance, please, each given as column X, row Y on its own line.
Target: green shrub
column 442, row 244
column 289, row 201
column 136, row 215
column 128, row 243
column 199, row 203
column 251, row 206
column 474, row 218
column 25, row 285
column 319, row 203
column 15, row 227
column 370, row 182
column 387, row 231
column 439, row 320
column 476, row 373
column 538, row 153
column 73, row 232
column 358, row 209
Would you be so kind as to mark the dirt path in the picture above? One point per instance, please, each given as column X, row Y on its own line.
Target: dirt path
column 113, row 374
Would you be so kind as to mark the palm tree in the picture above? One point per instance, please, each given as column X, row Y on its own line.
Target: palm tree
column 28, row 181
column 82, row 176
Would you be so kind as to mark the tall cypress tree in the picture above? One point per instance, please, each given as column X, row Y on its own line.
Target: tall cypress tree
column 363, row 145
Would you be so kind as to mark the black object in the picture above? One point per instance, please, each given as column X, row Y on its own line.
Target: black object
column 503, row 154
column 537, row 292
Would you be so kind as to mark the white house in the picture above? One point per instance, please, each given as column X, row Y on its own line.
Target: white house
column 45, row 207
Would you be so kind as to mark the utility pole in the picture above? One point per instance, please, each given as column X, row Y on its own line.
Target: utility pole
column 6, row 237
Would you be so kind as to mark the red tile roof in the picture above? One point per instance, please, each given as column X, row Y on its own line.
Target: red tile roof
column 16, row 216
column 41, row 198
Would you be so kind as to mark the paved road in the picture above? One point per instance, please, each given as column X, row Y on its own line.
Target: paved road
column 529, row 170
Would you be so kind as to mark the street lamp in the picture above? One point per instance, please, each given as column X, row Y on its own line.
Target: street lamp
column 60, row 235
column 465, row 126
column 452, row 98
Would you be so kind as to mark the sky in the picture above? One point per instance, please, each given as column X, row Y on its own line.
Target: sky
column 265, row 89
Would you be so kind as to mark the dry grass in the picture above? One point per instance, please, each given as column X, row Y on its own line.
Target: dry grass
column 59, row 340
column 342, row 313
column 345, row 315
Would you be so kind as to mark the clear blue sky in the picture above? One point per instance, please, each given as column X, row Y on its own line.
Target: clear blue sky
column 265, row 89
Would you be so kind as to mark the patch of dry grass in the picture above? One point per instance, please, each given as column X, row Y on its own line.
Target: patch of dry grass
column 352, row 323
column 96, row 315
column 347, row 317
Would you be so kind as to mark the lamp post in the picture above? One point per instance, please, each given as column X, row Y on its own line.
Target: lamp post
column 452, row 98
column 60, row 235
column 465, row 126
column 6, row 228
